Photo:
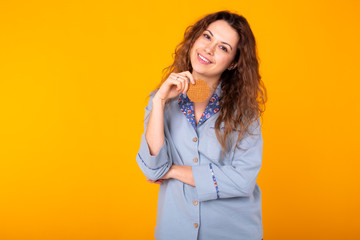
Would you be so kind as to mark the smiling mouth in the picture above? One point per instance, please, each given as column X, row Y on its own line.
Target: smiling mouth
column 203, row 59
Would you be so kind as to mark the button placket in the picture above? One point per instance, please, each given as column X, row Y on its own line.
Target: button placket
column 196, row 157
column 195, row 203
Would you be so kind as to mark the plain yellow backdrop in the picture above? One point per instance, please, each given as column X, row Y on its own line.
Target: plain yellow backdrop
column 74, row 76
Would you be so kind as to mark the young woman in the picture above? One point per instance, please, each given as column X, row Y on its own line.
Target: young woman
column 206, row 155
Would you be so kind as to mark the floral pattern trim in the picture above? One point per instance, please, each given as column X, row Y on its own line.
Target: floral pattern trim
column 215, row 182
column 187, row 108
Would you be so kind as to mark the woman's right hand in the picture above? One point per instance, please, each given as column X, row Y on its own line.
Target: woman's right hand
column 175, row 84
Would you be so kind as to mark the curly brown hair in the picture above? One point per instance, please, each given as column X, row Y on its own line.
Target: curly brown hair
column 243, row 92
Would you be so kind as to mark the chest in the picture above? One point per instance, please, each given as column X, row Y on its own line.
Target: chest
column 199, row 109
column 192, row 146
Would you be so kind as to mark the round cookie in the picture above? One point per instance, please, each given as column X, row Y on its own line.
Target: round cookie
column 198, row 92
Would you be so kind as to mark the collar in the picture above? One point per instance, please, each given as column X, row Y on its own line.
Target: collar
column 187, row 107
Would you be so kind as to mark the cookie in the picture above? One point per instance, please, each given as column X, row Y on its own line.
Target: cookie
column 198, row 92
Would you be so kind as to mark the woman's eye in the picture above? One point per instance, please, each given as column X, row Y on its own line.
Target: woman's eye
column 206, row 36
column 223, row 48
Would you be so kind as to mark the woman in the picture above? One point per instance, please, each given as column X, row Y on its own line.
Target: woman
column 206, row 155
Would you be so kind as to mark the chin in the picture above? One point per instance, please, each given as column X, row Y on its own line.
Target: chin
column 204, row 72
column 200, row 69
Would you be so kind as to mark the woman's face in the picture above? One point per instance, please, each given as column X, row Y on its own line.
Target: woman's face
column 214, row 51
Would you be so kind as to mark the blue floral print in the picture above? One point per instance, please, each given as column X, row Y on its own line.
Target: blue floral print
column 187, row 108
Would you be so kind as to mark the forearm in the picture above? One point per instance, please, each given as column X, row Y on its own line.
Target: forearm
column 181, row 173
column 155, row 129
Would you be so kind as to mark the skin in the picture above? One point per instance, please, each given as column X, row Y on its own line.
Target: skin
column 217, row 45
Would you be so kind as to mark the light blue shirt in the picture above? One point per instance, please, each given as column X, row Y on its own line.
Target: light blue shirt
column 226, row 202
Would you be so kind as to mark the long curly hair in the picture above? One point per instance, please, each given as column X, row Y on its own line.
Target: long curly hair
column 243, row 92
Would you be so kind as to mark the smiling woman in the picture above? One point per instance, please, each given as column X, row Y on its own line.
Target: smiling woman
column 211, row 55
column 206, row 155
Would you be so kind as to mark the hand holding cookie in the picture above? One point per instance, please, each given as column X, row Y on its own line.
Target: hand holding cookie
column 175, row 84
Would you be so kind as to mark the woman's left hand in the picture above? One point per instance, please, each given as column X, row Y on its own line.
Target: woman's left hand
column 179, row 172
column 159, row 181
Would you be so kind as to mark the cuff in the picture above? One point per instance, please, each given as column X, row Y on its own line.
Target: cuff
column 152, row 162
column 205, row 182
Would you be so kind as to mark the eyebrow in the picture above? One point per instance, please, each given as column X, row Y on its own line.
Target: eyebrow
column 221, row 42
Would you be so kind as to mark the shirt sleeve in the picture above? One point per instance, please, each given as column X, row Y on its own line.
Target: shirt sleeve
column 214, row 181
column 154, row 167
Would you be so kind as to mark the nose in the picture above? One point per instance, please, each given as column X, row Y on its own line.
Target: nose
column 210, row 48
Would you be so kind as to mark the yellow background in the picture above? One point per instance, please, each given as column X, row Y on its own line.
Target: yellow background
column 74, row 76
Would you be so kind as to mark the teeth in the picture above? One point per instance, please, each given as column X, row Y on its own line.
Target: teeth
column 204, row 59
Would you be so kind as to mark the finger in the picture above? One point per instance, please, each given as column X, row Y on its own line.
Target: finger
column 190, row 76
column 174, row 83
column 172, row 79
column 177, row 83
column 184, row 81
column 173, row 75
column 159, row 182
column 181, row 79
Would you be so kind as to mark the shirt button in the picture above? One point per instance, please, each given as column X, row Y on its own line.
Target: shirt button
column 195, row 202
column 196, row 225
column 194, row 139
column 195, row 160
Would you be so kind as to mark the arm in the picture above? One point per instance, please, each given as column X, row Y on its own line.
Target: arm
column 154, row 166
column 153, row 157
column 172, row 87
column 215, row 181
column 155, row 129
column 181, row 173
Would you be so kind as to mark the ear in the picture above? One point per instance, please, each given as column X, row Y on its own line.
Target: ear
column 232, row 66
